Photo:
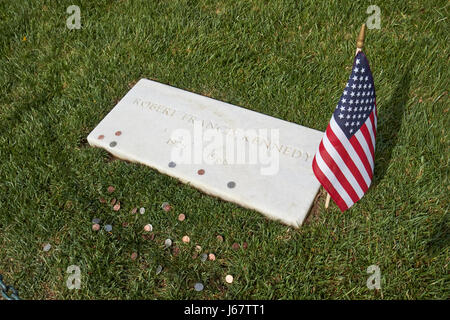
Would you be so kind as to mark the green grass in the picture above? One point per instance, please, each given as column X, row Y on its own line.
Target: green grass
column 289, row 59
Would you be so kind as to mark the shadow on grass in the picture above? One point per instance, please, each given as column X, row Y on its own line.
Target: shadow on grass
column 441, row 236
column 390, row 118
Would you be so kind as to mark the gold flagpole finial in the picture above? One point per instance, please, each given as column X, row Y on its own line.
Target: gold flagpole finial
column 361, row 36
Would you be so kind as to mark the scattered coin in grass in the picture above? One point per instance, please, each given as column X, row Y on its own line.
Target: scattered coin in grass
column 229, row 278
column 125, row 224
column 159, row 269
column 134, row 256
column 148, row 228
column 111, row 189
column 235, row 246
column 198, row 248
column 116, row 206
column 142, row 210
column 195, row 255
column 95, row 227
column 168, row 243
column 113, row 201
column 47, row 247
column 108, row 228
column 134, row 210
column 176, row 251
column 102, row 200
column 212, row 256
column 203, row 257
column 96, row 220
column 166, row 207
column 186, row 239
column 220, row 238
column 181, row 217
column 198, row 286
column 245, row 245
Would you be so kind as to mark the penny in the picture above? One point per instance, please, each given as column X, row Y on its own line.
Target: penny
column 245, row 245
column 229, row 278
column 134, row 256
column 186, row 239
column 148, row 228
column 102, row 200
column 198, row 286
column 118, row 133
column 212, row 257
column 220, row 238
column 201, row 172
column 181, row 217
column 111, row 189
column 116, row 206
column 113, row 201
column 95, row 227
column 176, row 251
column 134, row 210
column 235, row 246
column 100, row 137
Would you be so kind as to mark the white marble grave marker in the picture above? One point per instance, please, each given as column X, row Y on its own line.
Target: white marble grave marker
column 238, row 155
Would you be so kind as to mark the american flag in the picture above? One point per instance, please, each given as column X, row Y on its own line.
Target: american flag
column 344, row 162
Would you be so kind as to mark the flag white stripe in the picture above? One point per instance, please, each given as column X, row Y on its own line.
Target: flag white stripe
column 365, row 146
column 350, row 150
column 334, row 181
column 342, row 166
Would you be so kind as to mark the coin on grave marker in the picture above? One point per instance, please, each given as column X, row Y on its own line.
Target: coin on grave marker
column 142, row 210
column 198, row 286
column 229, row 278
column 168, row 243
column 113, row 144
column 47, row 247
column 95, row 227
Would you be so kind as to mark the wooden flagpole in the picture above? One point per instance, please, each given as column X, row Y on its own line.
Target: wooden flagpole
column 359, row 46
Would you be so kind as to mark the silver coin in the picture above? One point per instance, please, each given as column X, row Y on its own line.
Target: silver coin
column 198, row 286
column 231, row 184
column 158, row 269
column 172, row 164
column 203, row 257
column 47, row 247
column 165, row 204
column 142, row 210
column 113, row 144
column 96, row 220
column 108, row 228
column 168, row 243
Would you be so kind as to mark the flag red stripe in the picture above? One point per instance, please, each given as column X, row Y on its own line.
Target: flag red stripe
column 347, row 159
column 366, row 135
column 329, row 161
column 362, row 155
column 328, row 186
